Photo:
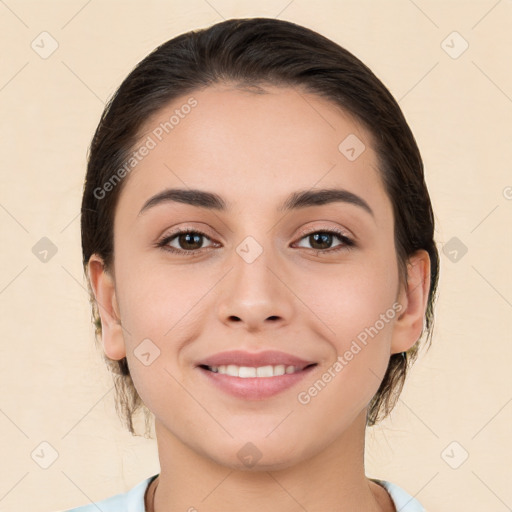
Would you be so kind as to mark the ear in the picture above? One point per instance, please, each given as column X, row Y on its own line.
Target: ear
column 413, row 299
column 103, row 287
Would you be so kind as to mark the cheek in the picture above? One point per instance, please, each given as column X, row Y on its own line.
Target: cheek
column 361, row 318
column 358, row 305
column 161, row 309
column 155, row 301
column 352, row 299
column 157, row 314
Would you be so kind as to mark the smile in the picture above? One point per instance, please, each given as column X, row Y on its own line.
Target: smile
column 245, row 372
column 254, row 383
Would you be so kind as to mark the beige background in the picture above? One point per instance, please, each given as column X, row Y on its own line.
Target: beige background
column 54, row 387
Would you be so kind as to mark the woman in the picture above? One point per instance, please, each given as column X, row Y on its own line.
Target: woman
column 258, row 239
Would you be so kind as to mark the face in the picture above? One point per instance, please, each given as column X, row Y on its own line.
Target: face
column 317, row 280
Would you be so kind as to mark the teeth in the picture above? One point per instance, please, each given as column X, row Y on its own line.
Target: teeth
column 246, row 371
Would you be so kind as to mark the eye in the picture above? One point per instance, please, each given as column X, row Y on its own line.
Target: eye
column 320, row 240
column 189, row 242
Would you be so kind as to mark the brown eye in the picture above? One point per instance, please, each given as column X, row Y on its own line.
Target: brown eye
column 185, row 242
column 189, row 241
column 323, row 240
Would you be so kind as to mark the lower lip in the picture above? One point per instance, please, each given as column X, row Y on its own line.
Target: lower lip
column 255, row 388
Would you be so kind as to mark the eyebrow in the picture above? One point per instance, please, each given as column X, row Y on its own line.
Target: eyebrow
column 295, row 201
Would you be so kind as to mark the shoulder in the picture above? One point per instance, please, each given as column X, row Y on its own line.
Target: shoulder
column 402, row 500
column 130, row 501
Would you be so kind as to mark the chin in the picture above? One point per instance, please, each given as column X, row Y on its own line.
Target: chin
column 259, row 454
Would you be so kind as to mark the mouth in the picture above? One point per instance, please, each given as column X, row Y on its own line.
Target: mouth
column 248, row 372
column 254, row 383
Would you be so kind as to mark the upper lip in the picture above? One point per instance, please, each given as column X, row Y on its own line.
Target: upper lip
column 255, row 359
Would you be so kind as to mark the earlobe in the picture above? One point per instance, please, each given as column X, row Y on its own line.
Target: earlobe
column 414, row 299
column 103, row 287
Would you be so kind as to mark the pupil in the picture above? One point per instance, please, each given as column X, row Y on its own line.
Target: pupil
column 196, row 239
column 325, row 238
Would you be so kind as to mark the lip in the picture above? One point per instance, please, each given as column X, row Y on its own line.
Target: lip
column 255, row 359
column 254, row 388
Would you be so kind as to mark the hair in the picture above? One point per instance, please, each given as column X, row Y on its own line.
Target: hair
column 250, row 53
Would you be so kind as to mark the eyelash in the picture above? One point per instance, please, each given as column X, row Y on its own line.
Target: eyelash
column 348, row 243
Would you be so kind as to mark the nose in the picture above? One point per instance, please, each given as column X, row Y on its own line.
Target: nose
column 255, row 295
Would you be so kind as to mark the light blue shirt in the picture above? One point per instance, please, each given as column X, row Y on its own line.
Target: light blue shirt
column 133, row 500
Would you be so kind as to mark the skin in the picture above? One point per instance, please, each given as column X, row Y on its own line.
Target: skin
column 254, row 150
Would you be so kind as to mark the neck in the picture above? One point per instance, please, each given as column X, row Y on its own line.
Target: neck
column 333, row 479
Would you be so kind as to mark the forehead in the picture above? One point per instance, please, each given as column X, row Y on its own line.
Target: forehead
column 253, row 148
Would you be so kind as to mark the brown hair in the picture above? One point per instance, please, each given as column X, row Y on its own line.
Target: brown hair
column 252, row 52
